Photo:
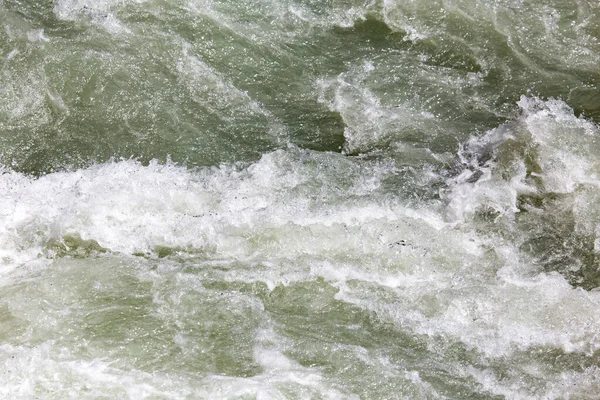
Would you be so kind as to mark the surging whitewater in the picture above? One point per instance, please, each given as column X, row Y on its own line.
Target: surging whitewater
column 381, row 207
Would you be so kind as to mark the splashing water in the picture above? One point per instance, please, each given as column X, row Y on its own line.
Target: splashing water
column 298, row 199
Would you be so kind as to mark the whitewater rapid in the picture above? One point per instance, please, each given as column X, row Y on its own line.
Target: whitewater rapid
column 153, row 246
column 293, row 199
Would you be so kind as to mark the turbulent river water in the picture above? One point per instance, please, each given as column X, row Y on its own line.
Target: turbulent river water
column 296, row 199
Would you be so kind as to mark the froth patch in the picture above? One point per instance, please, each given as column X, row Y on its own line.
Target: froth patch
column 130, row 208
column 100, row 12
column 40, row 370
column 547, row 151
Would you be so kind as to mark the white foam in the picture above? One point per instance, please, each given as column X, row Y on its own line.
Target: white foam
column 568, row 146
column 564, row 147
column 397, row 18
column 29, row 373
column 295, row 216
column 497, row 319
column 39, row 371
column 130, row 208
column 562, row 385
column 381, row 110
column 367, row 121
column 100, row 12
column 270, row 22
column 36, row 35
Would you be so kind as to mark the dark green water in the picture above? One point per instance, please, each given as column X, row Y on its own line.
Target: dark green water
column 294, row 199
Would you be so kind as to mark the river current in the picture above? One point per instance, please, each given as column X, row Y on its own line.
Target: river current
column 299, row 199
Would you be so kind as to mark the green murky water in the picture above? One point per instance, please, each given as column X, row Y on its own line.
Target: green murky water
column 294, row 199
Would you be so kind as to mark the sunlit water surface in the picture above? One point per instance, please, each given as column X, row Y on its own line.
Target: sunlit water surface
column 296, row 199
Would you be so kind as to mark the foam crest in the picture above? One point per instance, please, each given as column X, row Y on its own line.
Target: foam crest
column 397, row 18
column 100, row 12
column 442, row 242
column 547, row 151
column 498, row 321
column 163, row 319
column 39, row 371
column 566, row 384
column 382, row 110
column 368, row 122
column 568, row 147
column 280, row 377
column 129, row 208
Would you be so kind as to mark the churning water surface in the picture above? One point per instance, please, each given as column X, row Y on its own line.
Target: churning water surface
column 295, row 199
